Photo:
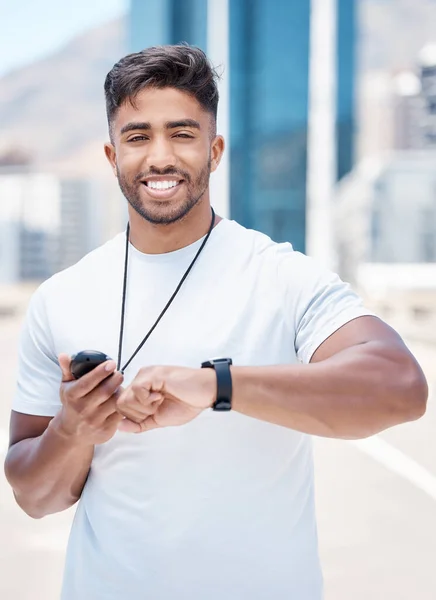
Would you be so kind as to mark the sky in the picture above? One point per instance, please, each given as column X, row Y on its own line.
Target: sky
column 33, row 29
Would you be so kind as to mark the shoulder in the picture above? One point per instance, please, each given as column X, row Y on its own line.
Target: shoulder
column 254, row 242
column 279, row 255
column 88, row 272
column 297, row 277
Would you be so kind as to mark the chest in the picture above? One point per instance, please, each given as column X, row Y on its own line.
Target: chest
column 233, row 312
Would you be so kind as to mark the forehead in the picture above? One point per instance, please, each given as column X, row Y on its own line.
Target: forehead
column 158, row 106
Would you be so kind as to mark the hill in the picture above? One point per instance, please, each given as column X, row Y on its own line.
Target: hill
column 54, row 109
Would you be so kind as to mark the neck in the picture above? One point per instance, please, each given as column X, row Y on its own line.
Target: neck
column 150, row 238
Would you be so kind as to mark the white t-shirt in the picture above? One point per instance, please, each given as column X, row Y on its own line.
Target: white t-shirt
column 222, row 507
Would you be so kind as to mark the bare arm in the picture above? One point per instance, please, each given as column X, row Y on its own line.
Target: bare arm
column 361, row 380
column 49, row 459
column 46, row 469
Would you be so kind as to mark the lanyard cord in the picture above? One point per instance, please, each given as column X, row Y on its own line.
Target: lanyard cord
column 176, row 291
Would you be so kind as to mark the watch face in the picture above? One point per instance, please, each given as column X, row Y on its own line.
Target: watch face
column 213, row 361
column 221, row 360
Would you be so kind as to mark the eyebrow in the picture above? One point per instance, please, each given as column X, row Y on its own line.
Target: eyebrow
column 144, row 125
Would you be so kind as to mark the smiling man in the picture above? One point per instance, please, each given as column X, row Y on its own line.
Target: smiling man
column 213, row 497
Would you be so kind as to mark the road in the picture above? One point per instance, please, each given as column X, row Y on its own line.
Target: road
column 376, row 505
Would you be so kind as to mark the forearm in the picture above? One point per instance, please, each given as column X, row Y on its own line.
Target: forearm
column 356, row 393
column 47, row 473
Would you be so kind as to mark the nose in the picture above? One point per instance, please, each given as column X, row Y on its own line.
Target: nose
column 160, row 153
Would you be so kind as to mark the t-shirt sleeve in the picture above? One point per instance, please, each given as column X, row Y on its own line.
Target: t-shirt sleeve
column 319, row 303
column 39, row 374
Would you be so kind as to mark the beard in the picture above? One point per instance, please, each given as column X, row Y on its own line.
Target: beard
column 160, row 213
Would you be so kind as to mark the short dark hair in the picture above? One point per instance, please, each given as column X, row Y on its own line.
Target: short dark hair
column 180, row 66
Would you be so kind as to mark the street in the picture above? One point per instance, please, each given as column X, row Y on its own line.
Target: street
column 376, row 504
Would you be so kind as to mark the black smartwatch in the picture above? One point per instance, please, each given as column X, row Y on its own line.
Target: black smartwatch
column 223, row 400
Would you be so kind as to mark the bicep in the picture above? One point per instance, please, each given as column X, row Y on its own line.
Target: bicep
column 22, row 426
column 360, row 330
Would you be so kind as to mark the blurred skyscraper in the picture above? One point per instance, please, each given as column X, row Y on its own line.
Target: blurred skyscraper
column 346, row 86
column 156, row 22
column 203, row 23
column 269, row 95
column 281, row 85
column 81, row 219
column 386, row 231
column 414, row 104
column 268, row 66
column 29, row 222
column 47, row 222
column 386, row 212
column 427, row 64
column 407, row 112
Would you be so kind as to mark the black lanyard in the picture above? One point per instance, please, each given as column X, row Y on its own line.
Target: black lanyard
column 123, row 306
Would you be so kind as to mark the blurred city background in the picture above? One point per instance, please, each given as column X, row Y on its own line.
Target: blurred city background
column 329, row 111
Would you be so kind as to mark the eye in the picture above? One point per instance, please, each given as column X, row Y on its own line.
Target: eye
column 185, row 136
column 137, row 138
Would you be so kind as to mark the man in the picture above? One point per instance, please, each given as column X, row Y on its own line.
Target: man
column 203, row 503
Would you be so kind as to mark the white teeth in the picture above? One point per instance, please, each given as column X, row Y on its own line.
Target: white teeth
column 161, row 185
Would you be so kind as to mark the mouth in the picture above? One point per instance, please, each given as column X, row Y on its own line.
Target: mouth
column 162, row 188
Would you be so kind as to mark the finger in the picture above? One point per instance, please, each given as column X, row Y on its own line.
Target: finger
column 130, row 406
column 155, row 397
column 108, row 408
column 89, row 405
column 112, row 420
column 149, row 406
column 64, row 363
column 111, row 386
column 144, row 388
column 132, row 414
column 91, row 380
column 142, row 395
column 105, row 386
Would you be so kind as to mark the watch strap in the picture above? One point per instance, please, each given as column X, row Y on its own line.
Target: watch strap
column 221, row 366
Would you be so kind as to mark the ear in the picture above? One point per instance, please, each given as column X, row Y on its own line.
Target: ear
column 217, row 150
column 109, row 150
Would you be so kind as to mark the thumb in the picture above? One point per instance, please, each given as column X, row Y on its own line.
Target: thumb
column 64, row 363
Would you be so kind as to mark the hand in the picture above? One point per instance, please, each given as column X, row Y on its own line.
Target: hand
column 165, row 396
column 89, row 414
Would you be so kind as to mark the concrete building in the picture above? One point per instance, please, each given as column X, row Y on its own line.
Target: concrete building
column 385, row 226
column 385, row 212
column 47, row 223
column 407, row 110
column 427, row 68
column 414, row 104
column 9, row 251
column 82, row 209
column 29, row 219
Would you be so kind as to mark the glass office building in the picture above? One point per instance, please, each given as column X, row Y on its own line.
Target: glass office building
column 269, row 87
column 157, row 22
column 268, row 70
column 346, row 76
